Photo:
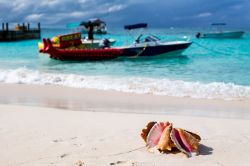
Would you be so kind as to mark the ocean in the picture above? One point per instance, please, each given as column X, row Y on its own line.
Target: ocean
column 209, row 68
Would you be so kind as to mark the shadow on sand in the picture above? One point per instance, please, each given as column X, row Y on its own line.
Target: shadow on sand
column 205, row 150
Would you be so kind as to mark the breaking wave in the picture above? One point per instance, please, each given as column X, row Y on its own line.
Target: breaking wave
column 142, row 85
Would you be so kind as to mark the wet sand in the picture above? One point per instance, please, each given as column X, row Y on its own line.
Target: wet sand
column 113, row 101
column 67, row 126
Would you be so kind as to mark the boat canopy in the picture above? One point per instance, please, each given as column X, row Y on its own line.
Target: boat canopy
column 93, row 21
column 136, row 26
column 216, row 24
column 97, row 20
column 86, row 24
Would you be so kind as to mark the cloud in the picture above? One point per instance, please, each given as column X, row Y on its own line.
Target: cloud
column 115, row 8
column 34, row 17
column 77, row 14
column 50, row 3
column 158, row 13
column 206, row 14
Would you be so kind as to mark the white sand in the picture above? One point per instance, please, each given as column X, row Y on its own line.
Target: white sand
column 33, row 136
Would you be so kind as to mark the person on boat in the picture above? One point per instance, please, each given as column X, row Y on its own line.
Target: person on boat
column 105, row 43
column 90, row 31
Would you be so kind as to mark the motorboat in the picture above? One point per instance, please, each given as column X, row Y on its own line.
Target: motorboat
column 225, row 34
column 151, row 45
column 82, row 54
column 72, row 47
column 219, row 33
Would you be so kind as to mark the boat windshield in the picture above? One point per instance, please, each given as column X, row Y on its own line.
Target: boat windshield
column 150, row 38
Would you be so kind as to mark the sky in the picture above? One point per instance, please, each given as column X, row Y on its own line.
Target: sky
column 158, row 13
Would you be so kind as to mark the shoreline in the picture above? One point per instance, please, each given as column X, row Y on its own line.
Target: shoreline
column 80, row 99
column 139, row 85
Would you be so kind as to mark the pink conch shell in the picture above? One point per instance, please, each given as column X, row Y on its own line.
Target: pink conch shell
column 194, row 135
column 146, row 130
column 185, row 141
column 155, row 133
column 165, row 143
column 163, row 137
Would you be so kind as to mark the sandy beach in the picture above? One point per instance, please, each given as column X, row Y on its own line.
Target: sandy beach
column 124, row 83
column 53, row 125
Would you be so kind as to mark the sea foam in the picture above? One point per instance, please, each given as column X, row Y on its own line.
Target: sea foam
column 142, row 85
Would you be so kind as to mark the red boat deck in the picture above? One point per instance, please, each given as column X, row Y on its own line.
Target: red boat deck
column 80, row 54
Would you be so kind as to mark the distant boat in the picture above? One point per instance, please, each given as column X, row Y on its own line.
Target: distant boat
column 219, row 33
column 100, row 26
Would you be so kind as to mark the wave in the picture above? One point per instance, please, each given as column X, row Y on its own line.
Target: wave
column 141, row 85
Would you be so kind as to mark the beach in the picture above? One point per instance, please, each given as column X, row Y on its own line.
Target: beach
column 56, row 125
column 97, row 83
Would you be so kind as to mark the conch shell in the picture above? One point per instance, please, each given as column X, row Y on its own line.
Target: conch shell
column 165, row 143
column 185, row 141
column 161, row 136
column 155, row 134
column 194, row 135
column 146, row 130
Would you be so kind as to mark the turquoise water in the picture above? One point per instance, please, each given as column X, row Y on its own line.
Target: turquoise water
column 210, row 68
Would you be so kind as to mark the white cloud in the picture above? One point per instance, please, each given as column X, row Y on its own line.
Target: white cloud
column 83, row 1
column 206, row 14
column 54, row 10
column 115, row 8
column 19, row 6
column 51, row 3
column 77, row 14
column 34, row 17
column 64, row 11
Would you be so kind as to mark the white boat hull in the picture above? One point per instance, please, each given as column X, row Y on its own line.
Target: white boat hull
column 228, row 34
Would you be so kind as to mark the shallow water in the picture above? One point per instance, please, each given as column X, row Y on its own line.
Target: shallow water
column 210, row 68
